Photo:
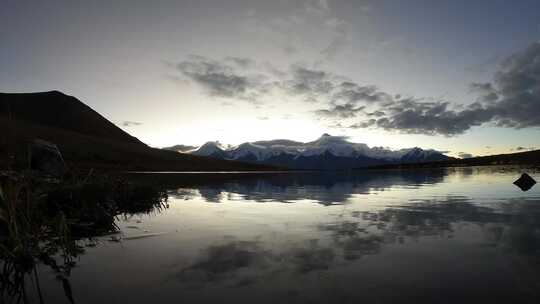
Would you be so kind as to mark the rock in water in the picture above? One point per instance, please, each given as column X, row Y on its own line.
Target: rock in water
column 46, row 158
column 525, row 182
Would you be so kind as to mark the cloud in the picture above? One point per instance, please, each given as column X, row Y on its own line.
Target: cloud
column 418, row 117
column 523, row 149
column 341, row 38
column 376, row 113
column 127, row 123
column 465, row 155
column 322, row 86
column 340, row 111
column 518, row 81
column 363, row 124
column 311, row 84
column 243, row 79
column 308, row 27
column 341, row 98
column 262, row 117
column 317, row 7
column 352, row 93
column 223, row 78
column 512, row 100
column 240, row 61
column 486, row 90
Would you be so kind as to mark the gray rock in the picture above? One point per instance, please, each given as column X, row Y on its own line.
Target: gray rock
column 525, row 182
column 45, row 157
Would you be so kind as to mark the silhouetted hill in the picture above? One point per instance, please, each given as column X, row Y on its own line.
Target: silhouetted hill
column 520, row 158
column 58, row 110
column 87, row 139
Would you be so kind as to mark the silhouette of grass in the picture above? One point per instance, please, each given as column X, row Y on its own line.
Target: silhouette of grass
column 43, row 221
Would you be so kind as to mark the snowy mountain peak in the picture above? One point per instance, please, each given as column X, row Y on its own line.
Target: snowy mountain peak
column 250, row 149
column 209, row 148
column 327, row 139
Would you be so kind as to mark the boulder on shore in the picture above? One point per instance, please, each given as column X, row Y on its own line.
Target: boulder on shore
column 525, row 182
column 45, row 157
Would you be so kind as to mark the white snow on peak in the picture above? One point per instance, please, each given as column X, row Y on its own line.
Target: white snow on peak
column 209, row 148
column 246, row 149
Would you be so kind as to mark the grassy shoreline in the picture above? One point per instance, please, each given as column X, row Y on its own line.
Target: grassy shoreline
column 43, row 222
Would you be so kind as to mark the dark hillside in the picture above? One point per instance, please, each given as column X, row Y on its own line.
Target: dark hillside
column 86, row 139
column 58, row 110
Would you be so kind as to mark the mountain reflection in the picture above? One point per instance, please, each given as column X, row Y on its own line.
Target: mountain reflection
column 323, row 188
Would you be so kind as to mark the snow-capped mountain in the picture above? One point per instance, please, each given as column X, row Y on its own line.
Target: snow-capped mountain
column 327, row 152
column 211, row 148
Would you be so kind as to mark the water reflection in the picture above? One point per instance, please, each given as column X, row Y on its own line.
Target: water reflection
column 324, row 188
column 442, row 236
column 508, row 233
column 500, row 237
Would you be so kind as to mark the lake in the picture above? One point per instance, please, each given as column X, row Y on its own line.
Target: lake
column 428, row 236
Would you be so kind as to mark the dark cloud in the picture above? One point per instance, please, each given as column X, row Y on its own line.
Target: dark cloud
column 222, row 78
column 523, row 149
column 127, row 123
column 340, row 111
column 486, row 90
column 325, row 87
column 363, row 124
column 418, row 117
column 308, row 82
column 230, row 78
column 465, row 155
column 353, row 93
column 512, row 100
column 518, row 82
column 376, row 113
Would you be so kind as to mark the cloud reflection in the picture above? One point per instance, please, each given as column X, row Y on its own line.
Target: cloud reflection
column 511, row 226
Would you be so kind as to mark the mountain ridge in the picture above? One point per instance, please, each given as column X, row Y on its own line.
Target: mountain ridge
column 326, row 152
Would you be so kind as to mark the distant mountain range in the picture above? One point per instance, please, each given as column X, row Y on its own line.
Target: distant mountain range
column 86, row 139
column 326, row 153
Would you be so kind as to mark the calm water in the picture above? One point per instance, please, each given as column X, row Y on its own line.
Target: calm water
column 443, row 236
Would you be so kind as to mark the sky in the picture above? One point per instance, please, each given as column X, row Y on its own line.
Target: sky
column 456, row 76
